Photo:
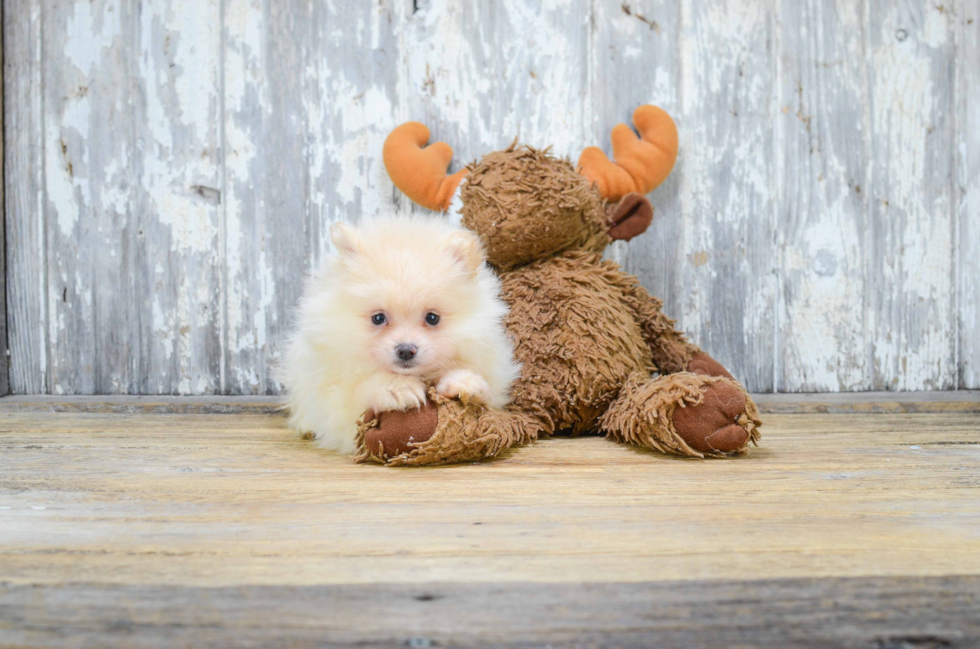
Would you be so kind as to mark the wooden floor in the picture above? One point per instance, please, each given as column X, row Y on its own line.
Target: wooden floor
column 150, row 525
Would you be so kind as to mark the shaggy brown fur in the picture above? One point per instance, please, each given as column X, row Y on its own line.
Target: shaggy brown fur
column 573, row 369
column 464, row 432
column 597, row 352
column 645, row 412
column 527, row 205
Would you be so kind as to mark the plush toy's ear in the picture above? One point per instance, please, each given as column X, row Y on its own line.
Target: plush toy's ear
column 421, row 173
column 467, row 250
column 641, row 163
column 344, row 238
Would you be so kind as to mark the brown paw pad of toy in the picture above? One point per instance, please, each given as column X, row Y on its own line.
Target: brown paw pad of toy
column 701, row 363
column 398, row 432
column 710, row 426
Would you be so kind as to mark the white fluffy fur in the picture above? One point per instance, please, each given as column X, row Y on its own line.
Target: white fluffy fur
column 339, row 364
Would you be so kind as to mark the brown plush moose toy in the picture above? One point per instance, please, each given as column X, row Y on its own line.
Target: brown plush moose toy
column 597, row 353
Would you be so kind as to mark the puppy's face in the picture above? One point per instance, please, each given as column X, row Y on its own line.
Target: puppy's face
column 409, row 292
column 405, row 337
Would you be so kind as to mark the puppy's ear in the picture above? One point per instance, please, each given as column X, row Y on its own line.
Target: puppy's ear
column 344, row 238
column 466, row 249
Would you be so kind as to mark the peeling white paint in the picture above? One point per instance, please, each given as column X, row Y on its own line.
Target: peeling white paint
column 824, row 188
column 725, row 186
column 181, row 182
column 66, row 166
column 89, row 32
column 806, row 229
column 913, row 351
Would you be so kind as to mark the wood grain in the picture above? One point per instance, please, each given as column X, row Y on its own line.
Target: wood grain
column 4, row 358
column 627, row 34
column 822, row 124
column 178, row 196
column 91, row 323
column 211, row 500
column 886, row 613
column 23, row 198
column 967, row 161
column 153, row 530
column 786, row 403
column 171, row 172
column 479, row 74
column 726, row 191
column 268, row 246
column 910, row 297
column 869, row 402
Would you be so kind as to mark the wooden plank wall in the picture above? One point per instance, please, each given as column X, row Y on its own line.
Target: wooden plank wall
column 4, row 362
column 173, row 167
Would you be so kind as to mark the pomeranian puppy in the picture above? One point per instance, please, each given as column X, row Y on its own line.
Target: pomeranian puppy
column 401, row 304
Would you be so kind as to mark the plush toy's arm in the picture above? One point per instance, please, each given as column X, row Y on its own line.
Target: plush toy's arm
column 671, row 350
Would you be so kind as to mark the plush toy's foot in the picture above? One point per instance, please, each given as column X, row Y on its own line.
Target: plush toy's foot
column 712, row 425
column 701, row 363
column 398, row 431
column 443, row 431
column 684, row 413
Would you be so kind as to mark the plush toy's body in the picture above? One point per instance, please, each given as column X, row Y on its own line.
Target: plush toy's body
column 597, row 353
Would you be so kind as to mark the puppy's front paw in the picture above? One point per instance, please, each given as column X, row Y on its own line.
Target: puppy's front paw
column 467, row 385
column 401, row 394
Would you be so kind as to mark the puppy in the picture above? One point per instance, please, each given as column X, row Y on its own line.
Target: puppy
column 401, row 304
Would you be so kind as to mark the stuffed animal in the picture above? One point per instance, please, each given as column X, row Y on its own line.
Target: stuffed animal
column 598, row 355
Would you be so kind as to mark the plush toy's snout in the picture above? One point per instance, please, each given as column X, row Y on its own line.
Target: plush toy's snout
column 629, row 217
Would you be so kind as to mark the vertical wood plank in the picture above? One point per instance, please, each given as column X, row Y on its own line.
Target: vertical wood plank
column 4, row 349
column 351, row 104
column 268, row 242
column 911, row 298
column 177, row 147
column 967, row 93
column 90, row 181
column 725, row 185
column 311, row 90
column 635, row 62
column 479, row 74
column 131, row 125
column 823, row 135
column 23, row 137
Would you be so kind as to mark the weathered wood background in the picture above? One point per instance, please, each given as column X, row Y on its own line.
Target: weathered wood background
column 172, row 167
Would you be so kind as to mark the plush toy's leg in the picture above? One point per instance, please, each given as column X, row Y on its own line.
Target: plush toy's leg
column 444, row 431
column 683, row 413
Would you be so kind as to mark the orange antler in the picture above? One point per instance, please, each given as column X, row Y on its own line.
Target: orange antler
column 421, row 173
column 641, row 163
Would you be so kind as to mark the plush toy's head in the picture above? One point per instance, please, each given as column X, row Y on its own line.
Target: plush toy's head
column 526, row 204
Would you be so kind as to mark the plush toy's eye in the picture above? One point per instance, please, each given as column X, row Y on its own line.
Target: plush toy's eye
column 379, row 319
column 431, row 318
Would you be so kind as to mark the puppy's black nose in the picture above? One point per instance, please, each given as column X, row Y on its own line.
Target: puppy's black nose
column 406, row 352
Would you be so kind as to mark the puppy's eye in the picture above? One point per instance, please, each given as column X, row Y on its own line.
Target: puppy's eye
column 431, row 318
column 379, row 319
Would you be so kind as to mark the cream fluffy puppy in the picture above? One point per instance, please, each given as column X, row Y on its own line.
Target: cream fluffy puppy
column 402, row 304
